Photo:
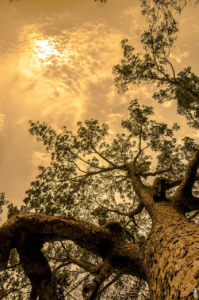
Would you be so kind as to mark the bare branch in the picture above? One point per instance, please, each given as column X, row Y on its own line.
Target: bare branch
column 157, row 172
column 187, row 183
column 108, row 161
column 128, row 233
column 171, row 67
column 84, row 160
column 136, row 211
column 123, row 167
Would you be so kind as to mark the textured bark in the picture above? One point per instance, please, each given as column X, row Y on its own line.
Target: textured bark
column 171, row 260
column 168, row 260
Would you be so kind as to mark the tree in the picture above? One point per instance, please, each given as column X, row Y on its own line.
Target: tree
column 99, row 234
column 169, row 252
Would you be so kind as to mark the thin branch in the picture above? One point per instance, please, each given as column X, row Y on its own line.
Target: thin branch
column 189, row 92
column 190, row 115
column 171, row 67
column 83, row 160
column 78, row 284
column 108, row 161
column 62, row 265
column 139, row 146
column 110, row 283
column 72, row 296
column 11, row 267
column 15, row 290
column 112, row 210
column 128, row 233
column 94, row 173
column 79, row 168
column 67, row 252
column 157, row 172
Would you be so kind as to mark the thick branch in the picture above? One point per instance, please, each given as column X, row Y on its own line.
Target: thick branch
column 184, row 191
column 84, row 265
column 25, row 230
column 188, row 91
column 136, row 211
column 138, row 186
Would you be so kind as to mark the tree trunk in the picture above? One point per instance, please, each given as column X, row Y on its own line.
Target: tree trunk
column 171, row 255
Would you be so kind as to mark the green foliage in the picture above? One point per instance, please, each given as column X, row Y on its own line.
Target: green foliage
column 71, row 180
column 78, row 181
column 153, row 66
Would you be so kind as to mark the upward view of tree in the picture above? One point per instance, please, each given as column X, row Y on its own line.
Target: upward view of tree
column 155, row 67
column 92, row 226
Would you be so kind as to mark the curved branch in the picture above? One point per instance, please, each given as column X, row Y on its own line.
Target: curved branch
column 108, row 161
column 123, row 167
column 174, row 76
column 190, row 175
column 105, row 272
column 72, row 260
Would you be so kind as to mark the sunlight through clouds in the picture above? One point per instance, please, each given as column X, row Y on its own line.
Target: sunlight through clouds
column 45, row 50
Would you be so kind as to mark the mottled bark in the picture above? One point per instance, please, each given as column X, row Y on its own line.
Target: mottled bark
column 171, row 260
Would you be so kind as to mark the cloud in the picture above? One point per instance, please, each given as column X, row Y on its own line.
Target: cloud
column 2, row 116
column 39, row 158
column 178, row 56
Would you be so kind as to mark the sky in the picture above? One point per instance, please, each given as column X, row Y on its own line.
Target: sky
column 56, row 59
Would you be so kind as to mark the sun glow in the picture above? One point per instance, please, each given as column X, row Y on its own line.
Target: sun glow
column 46, row 51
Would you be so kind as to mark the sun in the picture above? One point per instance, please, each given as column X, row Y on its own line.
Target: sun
column 44, row 49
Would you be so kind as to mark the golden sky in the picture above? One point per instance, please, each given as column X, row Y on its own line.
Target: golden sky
column 56, row 59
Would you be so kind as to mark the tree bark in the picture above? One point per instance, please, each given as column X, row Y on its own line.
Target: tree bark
column 168, row 260
column 171, row 255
